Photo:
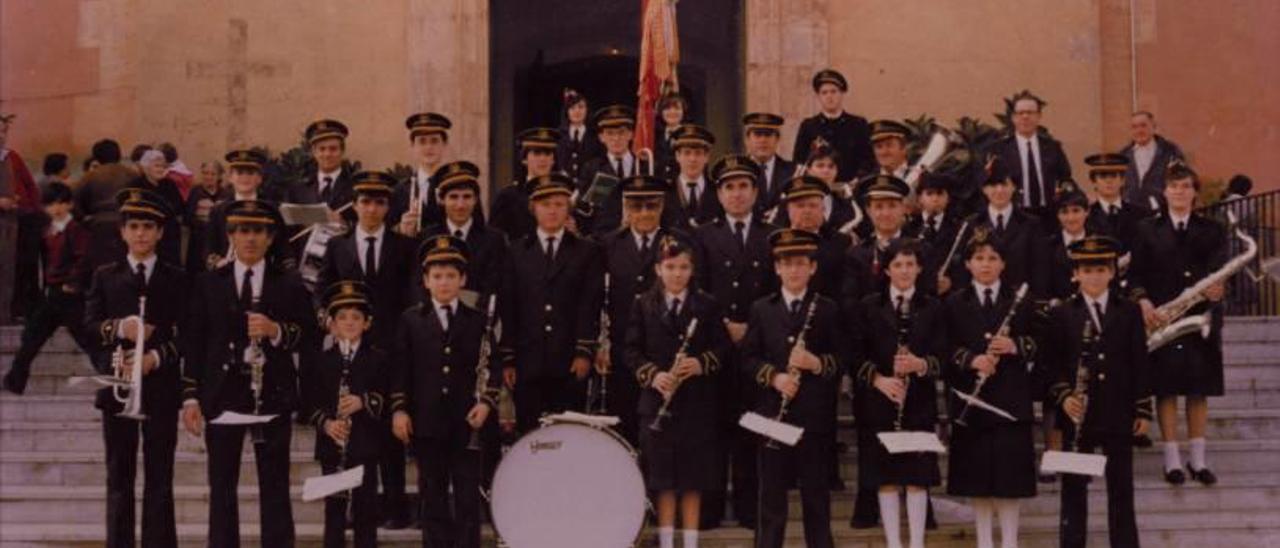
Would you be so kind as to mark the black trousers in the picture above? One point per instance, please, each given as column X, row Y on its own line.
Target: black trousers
column 446, row 462
column 804, row 466
column 225, row 444
column 391, row 467
column 56, row 308
column 1122, row 527
column 159, row 435
column 364, row 509
column 538, row 397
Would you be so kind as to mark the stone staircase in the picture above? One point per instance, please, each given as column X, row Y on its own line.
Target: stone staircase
column 52, row 473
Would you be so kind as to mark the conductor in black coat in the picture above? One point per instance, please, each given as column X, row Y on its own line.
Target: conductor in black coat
column 343, row 397
column 795, row 350
column 244, row 310
column 443, row 391
column 551, row 309
column 111, row 310
column 850, row 135
column 1096, row 354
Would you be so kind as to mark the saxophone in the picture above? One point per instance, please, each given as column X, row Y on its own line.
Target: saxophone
column 1178, row 324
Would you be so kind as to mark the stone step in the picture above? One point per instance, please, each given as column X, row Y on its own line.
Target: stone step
column 1257, row 329
column 1173, row 530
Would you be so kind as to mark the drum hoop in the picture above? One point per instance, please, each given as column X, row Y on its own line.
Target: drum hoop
column 631, row 450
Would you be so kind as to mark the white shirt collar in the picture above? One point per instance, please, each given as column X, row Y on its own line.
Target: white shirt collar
column 683, row 296
column 788, row 297
column 464, row 227
column 638, row 237
column 453, row 305
column 894, row 293
column 56, row 227
column 253, row 196
column 150, row 263
column 362, row 234
column 701, row 183
column 559, row 236
column 259, row 272
column 745, row 220
column 1149, row 147
column 1106, row 206
column 320, row 175
column 423, row 177
column 939, row 216
column 1185, row 219
column 1101, row 299
column 992, row 212
column 883, row 242
column 348, row 348
column 1068, row 239
column 982, row 289
column 1034, row 139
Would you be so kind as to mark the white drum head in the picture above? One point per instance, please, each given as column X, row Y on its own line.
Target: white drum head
column 568, row 485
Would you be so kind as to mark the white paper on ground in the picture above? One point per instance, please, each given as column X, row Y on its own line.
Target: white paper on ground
column 1065, row 462
column 911, row 442
column 319, row 487
column 582, row 418
column 772, row 429
column 102, row 380
column 231, row 418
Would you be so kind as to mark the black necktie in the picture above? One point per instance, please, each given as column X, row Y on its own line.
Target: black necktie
column 458, row 234
column 448, row 317
column 740, row 231
column 371, row 257
column 693, row 195
column 142, row 277
column 988, row 298
column 1032, row 177
column 1000, row 223
column 551, row 249
column 246, row 290
column 1181, row 227
column 933, row 226
column 795, row 307
column 617, row 167
column 902, row 304
column 326, row 188
column 1097, row 308
column 644, row 245
column 674, row 312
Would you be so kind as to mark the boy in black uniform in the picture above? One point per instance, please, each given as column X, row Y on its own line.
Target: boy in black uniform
column 938, row 226
column 437, row 402
column 695, row 195
column 678, row 407
column 795, row 350
column 1020, row 233
column 616, row 126
column 429, row 140
column 1097, row 356
column 251, row 317
column 510, row 209
column 736, row 271
column 991, row 459
column 550, row 308
column 112, row 309
column 342, row 397
column 65, row 243
column 847, row 133
column 1173, row 252
column 629, row 254
column 900, row 393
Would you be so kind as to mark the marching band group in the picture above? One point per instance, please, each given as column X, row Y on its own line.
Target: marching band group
column 676, row 293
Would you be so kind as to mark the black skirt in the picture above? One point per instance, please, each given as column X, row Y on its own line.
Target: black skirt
column 1188, row 366
column 682, row 457
column 877, row 467
column 992, row 461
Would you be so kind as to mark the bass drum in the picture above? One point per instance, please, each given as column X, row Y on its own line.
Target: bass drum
column 569, row 484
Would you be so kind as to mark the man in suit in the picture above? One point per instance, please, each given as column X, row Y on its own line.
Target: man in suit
column 113, row 310
column 458, row 184
column 252, row 316
column 551, row 310
column 1035, row 161
column 384, row 260
column 1148, row 155
column 1097, row 358
column 695, row 199
column 848, row 134
column 629, row 254
column 510, row 208
column 616, row 126
column 764, row 130
column 736, row 271
column 1112, row 214
column 435, row 400
column 429, row 142
column 889, row 144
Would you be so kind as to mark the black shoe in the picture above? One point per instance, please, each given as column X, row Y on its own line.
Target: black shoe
column 863, row 522
column 1047, row 478
column 14, row 385
column 1143, row 441
column 1204, row 476
column 398, row 522
column 1175, row 476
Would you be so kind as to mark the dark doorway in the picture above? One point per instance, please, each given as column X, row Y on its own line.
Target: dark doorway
column 539, row 48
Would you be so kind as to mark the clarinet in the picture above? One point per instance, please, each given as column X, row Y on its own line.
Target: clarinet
column 1089, row 342
column 1006, row 325
column 663, row 411
column 482, row 369
column 344, row 389
column 795, row 373
column 598, row 392
column 904, row 329
column 256, row 360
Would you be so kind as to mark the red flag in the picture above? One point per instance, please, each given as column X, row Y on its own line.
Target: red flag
column 659, row 56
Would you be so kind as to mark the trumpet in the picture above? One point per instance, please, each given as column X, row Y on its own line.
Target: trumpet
column 131, row 395
column 482, row 368
column 1006, row 325
column 663, row 411
column 415, row 205
column 795, row 373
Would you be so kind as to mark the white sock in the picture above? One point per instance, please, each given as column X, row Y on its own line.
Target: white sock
column 667, row 537
column 889, row 516
column 1008, row 510
column 1172, row 460
column 1197, row 454
column 690, row 537
column 982, row 513
column 917, row 511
